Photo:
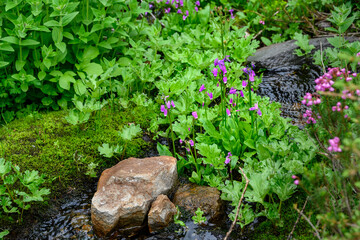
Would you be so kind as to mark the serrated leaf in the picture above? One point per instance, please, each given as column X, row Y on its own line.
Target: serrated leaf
column 129, row 132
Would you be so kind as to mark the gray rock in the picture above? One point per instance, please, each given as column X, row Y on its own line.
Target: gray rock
column 126, row 191
column 161, row 213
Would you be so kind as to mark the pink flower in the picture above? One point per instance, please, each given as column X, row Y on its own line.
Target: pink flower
column 179, row 11
column 231, row 12
column 195, row 115
column 196, row 9
column 172, row 104
column 202, row 88
column 227, row 159
column 210, row 95
column 164, row 110
column 256, row 107
column 197, row 3
column 262, row 22
column 244, row 83
column 181, row 141
column 215, row 72
column 296, row 182
column 334, row 145
column 191, row 142
column 167, row 10
column 225, row 79
column 293, row 177
column 232, row 91
column 228, row 112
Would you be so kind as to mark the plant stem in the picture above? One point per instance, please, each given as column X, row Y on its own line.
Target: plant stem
column 172, row 134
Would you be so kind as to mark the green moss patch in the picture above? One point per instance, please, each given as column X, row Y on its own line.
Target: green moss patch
column 48, row 143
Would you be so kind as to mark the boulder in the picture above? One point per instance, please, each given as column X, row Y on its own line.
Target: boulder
column 161, row 213
column 191, row 197
column 126, row 191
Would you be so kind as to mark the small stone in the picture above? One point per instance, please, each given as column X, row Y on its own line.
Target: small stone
column 191, row 197
column 161, row 213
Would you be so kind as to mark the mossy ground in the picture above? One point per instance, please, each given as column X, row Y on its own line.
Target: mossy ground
column 46, row 142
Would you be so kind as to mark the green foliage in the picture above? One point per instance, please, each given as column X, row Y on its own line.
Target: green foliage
column 18, row 190
column 303, row 42
column 199, row 218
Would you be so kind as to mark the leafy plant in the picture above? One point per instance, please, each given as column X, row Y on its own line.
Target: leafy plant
column 19, row 189
column 199, row 218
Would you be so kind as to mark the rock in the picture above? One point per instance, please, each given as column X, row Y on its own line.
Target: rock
column 161, row 213
column 126, row 190
column 282, row 54
column 191, row 197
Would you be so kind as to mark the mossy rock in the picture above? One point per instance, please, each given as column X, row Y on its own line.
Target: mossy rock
column 47, row 143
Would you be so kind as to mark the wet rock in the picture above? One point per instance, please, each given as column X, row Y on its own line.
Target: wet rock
column 191, row 197
column 126, row 190
column 161, row 213
column 282, row 54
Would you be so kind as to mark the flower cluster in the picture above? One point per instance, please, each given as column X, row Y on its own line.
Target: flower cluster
column 338, row 108
column 262, row 22
column 251, row 74
column 256, row 107
column 310, row 99
column 334, row 145
column 178, row 4
column 221, row 65
column 309, row 114
column 168, row 105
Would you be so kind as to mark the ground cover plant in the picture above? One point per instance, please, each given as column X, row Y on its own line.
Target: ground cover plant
column 179, row 70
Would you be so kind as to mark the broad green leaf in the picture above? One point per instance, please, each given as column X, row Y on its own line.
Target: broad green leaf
column 11, row 4
column 90, row 53
column 52, row 23
column 6, row 47
column 11, row 39
column 46, row 101
column 93, row 69
column 5, row 167
column 24, row 87
column 266, row 41
column 64, row 81
column 57, row 35
column 163, row 150
column 3, row 64
column 68, row 18
column 19, row 64
column 79, row 87
column 129, row 132
column 61, row 46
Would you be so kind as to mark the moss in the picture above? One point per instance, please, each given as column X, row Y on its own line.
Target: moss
column 48, row 143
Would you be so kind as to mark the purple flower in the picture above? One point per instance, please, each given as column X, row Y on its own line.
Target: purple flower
column 216, row 62
column 191, row 142
column 215, row 72
column 223, row 68
column 227, row 160
column 187, row 13
column 232, row 91
column 184, row 17
column 179, row 11
column 182, row 4
column 231, row 12
column 189, row 129
column 256, row 107
column 334, row 145
column 181, row 141
column 164, row 110
column 197, row 3
column 225, row 79
column 168, row 104
column 196, row 9
column 167, row 2
column 167, row 10
column 210, row 95
column 231, row 101
column 241, row 93
column 176, row 6
column 150, row 5
column 228, row 112
column 172, row 104
column 195, row 115
column 244, row 83
column 202, row 88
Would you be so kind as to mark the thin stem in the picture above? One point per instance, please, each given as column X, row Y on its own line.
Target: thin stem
column 172, row 134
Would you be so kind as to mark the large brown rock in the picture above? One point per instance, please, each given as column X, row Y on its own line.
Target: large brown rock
column 161, row 213
column 191, row 197
column 126, row 190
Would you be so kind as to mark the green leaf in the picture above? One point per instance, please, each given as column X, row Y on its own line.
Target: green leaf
column 11, row 4
column 64, row 81
column 79, row 87
column 11, row 39
column 68, row 35
column 108, row 151
column 260, row 187
column 29, row 42
column 6, row 47
column 266, row 41
column 210, row 129
column 41, row 75
column 52, row 23
column 24, row 87
column 163, row 150
column 337, row 42
column 4, row 233
column 57, row 35
column 5, row 167
column 93, row 69
column 129, row 132
column 68, row 18
column 46, row 101
column 3, row 64
column 61, row 46
column 19, row 64
column 90, row 53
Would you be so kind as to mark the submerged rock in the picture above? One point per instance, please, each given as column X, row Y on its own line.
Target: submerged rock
column 126, row 191
column 191, row 197
column 161, row 213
